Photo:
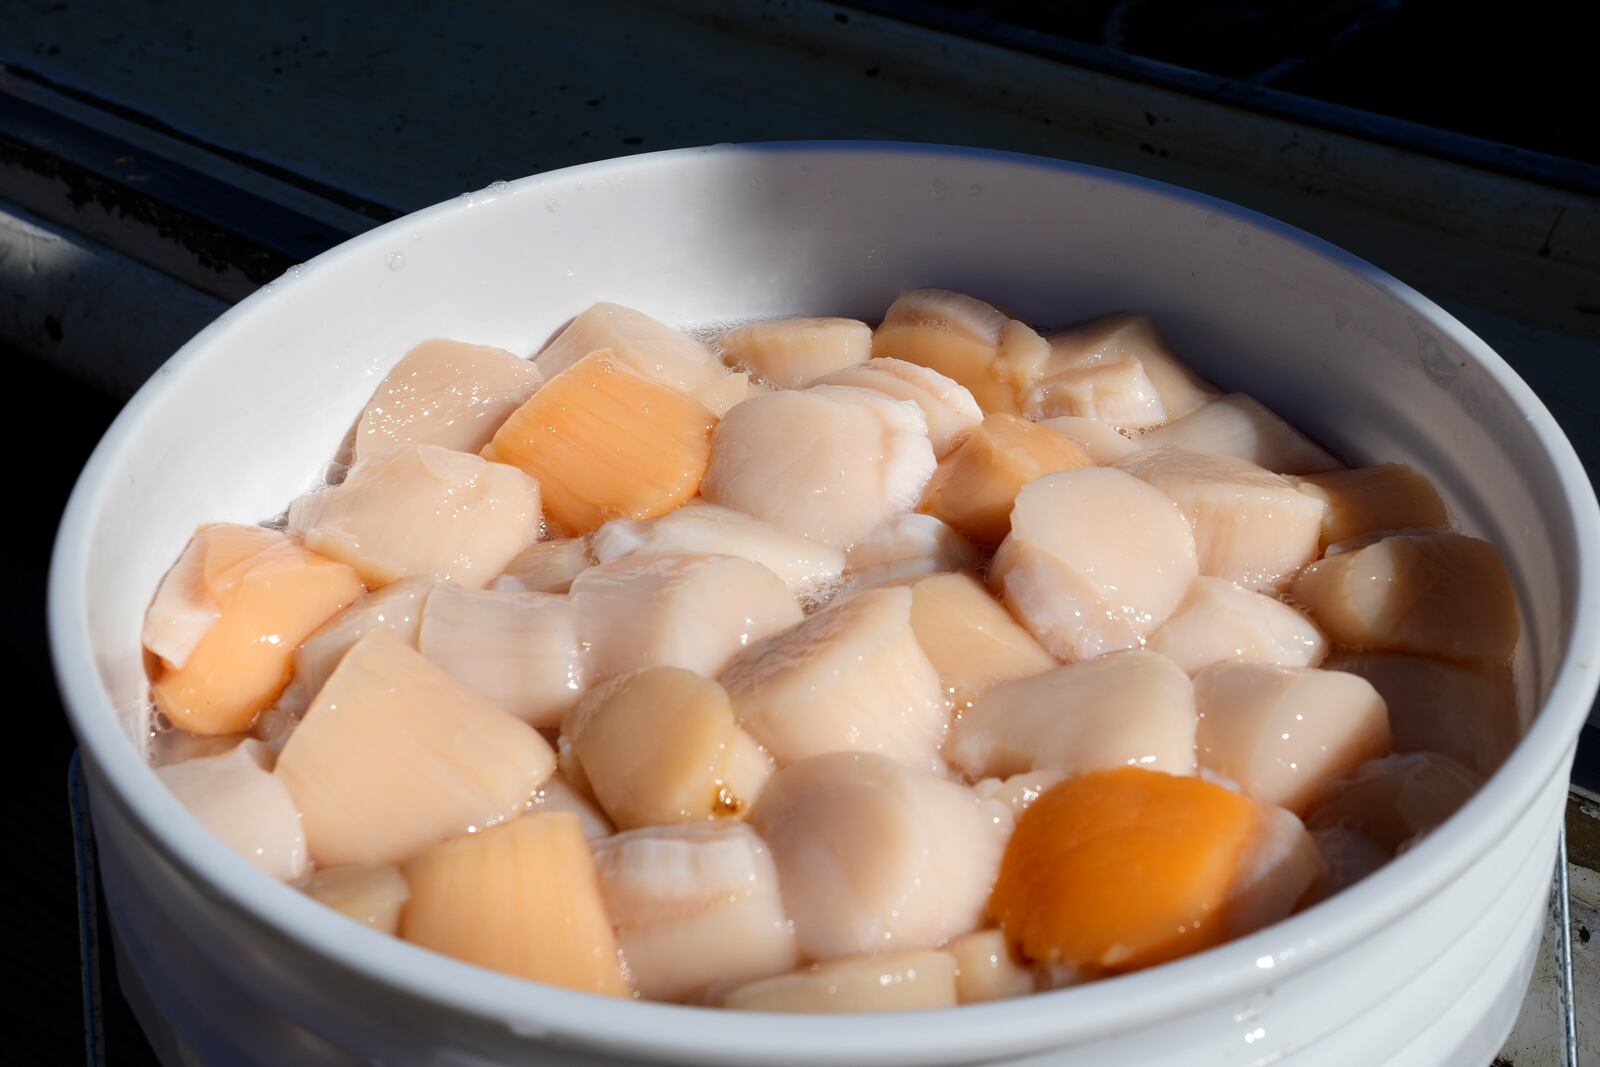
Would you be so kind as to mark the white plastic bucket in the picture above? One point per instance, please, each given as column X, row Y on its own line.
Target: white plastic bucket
column 1422, row 964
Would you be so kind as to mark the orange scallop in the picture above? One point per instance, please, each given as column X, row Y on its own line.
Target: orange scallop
column 604, row 442
column 258, row 593
column 1121, row 869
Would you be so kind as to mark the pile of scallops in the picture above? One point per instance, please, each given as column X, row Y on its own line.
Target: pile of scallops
column 818, row 667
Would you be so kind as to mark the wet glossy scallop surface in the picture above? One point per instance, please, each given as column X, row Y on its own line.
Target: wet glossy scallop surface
column 823, row 666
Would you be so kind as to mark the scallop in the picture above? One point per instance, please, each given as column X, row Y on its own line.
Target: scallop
column 1283, row 734
column 830, row 463
column 233, row 609
column 873, row 855
column 397, row 607
column 1250, row 525
column 605, row 441
column 688, row 611
column 976, row 485
column 1096, row 560
column 720, row 396
column 646, row 346
column 1127, row 335
column 1104, row 444
column 1467, row 711
column 370, row 894
column 1431, row 594
column 970, row 638
column 948, row 405
column 558, row 794
column 1115, row 391
column 545, row 566
column 964, row 339
column 803, row 565
column 883, row 982
column 1279, row 866
column 1121, row 869
column 236, row 796
column 1241, row 426
column 395, row 754
column 851, row 677
column 522, row 898
column 1395, row 800
column 1124, row 709
column 1223, row 622
column 909, row 547
column 793, row 353
column 445, row 393
column 422, row 510
column 694, row 906
column 520, row 650
column 987, row 968
column 661, row 746
column 1384, row 498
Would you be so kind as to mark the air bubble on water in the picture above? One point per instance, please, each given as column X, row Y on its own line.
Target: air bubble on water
column 825, row 592
column 396, row 260
column 469, row 198
column 496, row 186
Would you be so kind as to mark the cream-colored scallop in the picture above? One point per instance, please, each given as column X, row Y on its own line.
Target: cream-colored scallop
column 371, row 894
column 873, row 855
column 1283, row 734
column 1431, row 594
column 660, row 746
column 699, row 528
column 1103, row 443
column 1096, row 560
column 688, row 611
column 556, row 793
column 1241, row 426
column 236, row 796
column 1279, row 865
column 1221, row 622
column 1124, row 335
column 1116, row 392
column 970, row 638
column 793, row 353
column 545, row 566
column 1250, row 525
column 694, row 906
column 851, row 677
column 397, row 607
column 395, row 754
column 720, row 396
column 1467, row 711
column 1379, row 499
column 908, row 547
column 987, row 968
column 830, row 463
column 521, row 650
column 652, row 348
column 422, row 510
column 445, row 393
column 889, row 981
column 948, row 405
column 1124, row 709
